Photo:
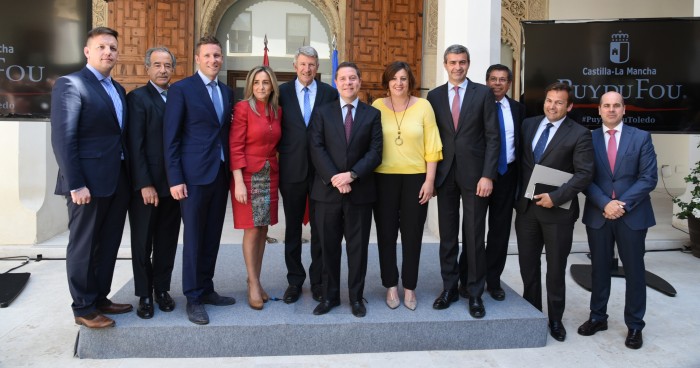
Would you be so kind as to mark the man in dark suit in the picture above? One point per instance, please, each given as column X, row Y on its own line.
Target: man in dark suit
column 468, row 123
column 88, row 120
column 345, row 143
column 154, row 215
column 511, row 115
column 195, row 136
column 618, row 211
column 298, row 99
column 554, row 141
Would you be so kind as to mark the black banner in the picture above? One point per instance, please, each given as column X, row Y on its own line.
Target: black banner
column 40, row 40
column 653, row 63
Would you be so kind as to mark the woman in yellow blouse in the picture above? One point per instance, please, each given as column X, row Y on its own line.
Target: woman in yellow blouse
column 405, row 179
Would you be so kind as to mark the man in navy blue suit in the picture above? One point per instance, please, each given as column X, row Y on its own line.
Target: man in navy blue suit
column 88, row 121
column 618, row 211
column 195, row 137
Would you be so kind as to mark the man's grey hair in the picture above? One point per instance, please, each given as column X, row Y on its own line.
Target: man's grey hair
column 147, row 60
column 456, row 49
column 306, row 51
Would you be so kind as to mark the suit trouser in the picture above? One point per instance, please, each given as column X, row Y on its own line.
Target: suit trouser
column 294, row 197
column 471, row 268
column 500, row 220
column 398, row 207
column 534, row 234
column 630, row 246
column 95, row 233
column 354, row 221
column 203, row 214
column 154, row 231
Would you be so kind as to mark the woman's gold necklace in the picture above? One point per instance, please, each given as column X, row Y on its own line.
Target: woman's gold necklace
column 398, row 141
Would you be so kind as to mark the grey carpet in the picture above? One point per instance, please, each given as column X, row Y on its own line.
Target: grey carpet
column 281, row 329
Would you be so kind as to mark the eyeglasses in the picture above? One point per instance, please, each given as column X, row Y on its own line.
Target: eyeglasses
column 494, row 80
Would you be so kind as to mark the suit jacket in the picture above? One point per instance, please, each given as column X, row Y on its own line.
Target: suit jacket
column 85, row 134
column 254, row 138
column 570, row 150
column 475, row 145
column 332, row 155
column 145, row 139
column 633, row 179
column 193, row 136
column 293, row 147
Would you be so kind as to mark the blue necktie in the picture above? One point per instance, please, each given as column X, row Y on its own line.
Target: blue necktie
column 216, row 100
column 112, row 92
column 307, row 106
column 542, row 143
column 503, row 156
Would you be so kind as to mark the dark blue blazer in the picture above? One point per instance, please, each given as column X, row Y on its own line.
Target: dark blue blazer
column 331, row 154
column 634, row 178
column 85, row 134
column 193, row 136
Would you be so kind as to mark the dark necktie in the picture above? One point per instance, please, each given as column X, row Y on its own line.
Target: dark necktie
column 307, row 106
column 542, row 143
column 612, row 153
column 503, row 156
column 348, row 123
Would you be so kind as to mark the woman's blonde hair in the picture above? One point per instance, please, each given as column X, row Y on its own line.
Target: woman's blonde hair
column 273, row 100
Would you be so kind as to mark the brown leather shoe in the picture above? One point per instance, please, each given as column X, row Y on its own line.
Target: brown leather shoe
column 95, row 320
column 115, row 308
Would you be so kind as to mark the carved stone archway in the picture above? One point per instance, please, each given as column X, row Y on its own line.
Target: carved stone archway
column 213, row 10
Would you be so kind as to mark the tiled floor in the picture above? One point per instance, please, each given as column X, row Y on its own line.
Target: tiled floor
column 37, row 329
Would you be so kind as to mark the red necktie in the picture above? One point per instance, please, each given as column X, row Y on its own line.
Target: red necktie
column 612, row 152
column 455, row 106
column 348, row 123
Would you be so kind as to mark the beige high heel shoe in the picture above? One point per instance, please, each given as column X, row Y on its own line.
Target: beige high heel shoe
column 409, row 299
column 392, row 297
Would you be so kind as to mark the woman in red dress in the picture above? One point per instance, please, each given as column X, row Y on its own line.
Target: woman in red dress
column 255, row 133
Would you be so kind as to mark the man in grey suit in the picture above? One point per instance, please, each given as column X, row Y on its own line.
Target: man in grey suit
column 618, row 211
column 557, row 142
column 468, row 122
column 154, row 215
column 299, row 98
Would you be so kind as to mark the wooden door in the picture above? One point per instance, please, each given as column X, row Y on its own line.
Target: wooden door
column 379, row 32
column 143, row 24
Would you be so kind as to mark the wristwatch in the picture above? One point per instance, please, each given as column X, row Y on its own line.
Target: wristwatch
column 353, row 175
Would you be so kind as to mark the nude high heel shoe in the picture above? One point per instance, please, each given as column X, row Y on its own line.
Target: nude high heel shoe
column 392, row 297
column 409, row 299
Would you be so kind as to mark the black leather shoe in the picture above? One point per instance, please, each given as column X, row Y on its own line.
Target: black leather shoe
column 325, row 307
column 358, row 309
column 215, row 299
column 497, row 293
column 446, row 298
column 317, row 292
column 165, row 302
column 557, row 330
column 634, row 339
column 197, row 314
column 463, row 292
column 590, row 327
column 145, row 308
column 291, row 295
column 476, row 307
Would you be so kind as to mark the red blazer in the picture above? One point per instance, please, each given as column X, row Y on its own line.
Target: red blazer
column 253, row 139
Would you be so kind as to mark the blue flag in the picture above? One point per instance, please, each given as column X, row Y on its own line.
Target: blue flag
column 334, row 63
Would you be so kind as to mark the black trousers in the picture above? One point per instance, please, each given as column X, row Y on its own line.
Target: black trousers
column 533, row 234
column 95, row 233
column 154, row 235
column 353, row 221
column 398, row 208
column 630, row 246
column 471, row 267
column 500, row 221
column 294, row 197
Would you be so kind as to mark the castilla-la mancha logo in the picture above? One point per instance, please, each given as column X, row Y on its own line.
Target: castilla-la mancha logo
column 619, row 48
